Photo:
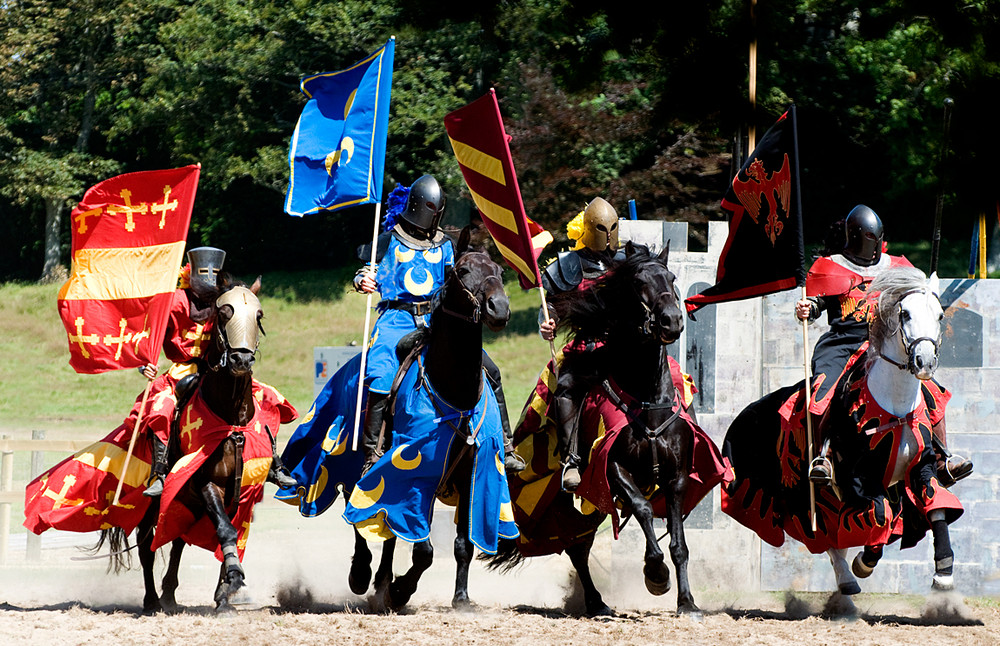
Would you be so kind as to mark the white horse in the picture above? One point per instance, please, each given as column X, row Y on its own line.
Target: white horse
column 880, row 402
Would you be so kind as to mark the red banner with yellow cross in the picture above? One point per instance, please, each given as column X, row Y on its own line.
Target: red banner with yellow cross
column 129, row 234
column 481, row 147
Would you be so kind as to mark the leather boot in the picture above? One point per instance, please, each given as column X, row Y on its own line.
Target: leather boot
column 950, row 468
column 512, row 462
column 278, row 474
column 567, row 421
column 161, row 467
column 374, row 414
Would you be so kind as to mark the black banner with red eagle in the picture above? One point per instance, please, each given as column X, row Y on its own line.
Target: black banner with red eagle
column 764, row 252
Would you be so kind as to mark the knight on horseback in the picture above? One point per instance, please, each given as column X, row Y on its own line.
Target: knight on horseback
column 596, row 233
column 414, row 257
column 837, row 284
column 189, row 328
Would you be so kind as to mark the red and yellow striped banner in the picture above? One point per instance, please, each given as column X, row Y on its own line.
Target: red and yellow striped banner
column 481, row 147
column 129, row 234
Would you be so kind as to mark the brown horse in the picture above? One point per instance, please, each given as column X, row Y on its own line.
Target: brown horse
column 215, row 488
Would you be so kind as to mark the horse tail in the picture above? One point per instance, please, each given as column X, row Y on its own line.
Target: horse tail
column 117, row 540
column 507, row 557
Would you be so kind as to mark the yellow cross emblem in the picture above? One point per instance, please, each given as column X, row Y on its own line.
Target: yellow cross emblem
column 198, row 336
column 128, row 209
column 242, row 543
column 122, row 338
column 189, row 425
column 60, row 498
column 82, row 218
column 80, row 338
column 166, row 206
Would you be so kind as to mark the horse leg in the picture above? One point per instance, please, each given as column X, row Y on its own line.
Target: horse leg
column 383, row 575
column 579, row 555
column 361, row 571
column 403, row 587
column 463, row 555
column 866, row 560
column 170, row 582
column 231, row 575
column 944, row 557
column 147, row 557
column 679, row 551
column 846, row 583
column 655, row 571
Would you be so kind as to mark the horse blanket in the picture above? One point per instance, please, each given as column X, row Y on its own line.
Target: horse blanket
column 76, row 495
column 396, row 496
column 319, row 455
column 201, row 432
column 770, row 494
column 548, row 518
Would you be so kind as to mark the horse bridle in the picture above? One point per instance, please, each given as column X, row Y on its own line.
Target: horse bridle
column 909, row 343
column 476, row 316
column 646, row 327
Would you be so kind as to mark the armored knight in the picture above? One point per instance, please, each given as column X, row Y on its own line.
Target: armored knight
column 838, row 284
column 413, row 259
column 595, row 251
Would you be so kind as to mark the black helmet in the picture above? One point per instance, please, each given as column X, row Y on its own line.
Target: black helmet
column 864, row 236
column 206, row 262
column 425, row 205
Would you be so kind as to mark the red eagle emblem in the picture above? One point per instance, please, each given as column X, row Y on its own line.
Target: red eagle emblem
column 774, row 188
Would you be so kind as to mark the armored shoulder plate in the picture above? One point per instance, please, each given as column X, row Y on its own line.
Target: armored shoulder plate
column 563, row 274
column 365, row 250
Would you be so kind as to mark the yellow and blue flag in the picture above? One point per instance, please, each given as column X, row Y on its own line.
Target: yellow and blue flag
column 337, row 154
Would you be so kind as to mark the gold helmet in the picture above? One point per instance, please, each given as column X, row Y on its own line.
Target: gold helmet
column 600, row 226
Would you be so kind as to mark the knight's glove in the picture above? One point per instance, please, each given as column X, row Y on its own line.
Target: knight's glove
column 364, row 272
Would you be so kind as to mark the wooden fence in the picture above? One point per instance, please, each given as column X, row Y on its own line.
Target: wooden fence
column 9, row 496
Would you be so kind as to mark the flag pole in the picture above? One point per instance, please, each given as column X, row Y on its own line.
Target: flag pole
column 809, row 430
column 364, row 342
column 131, row 442
column 545, row 313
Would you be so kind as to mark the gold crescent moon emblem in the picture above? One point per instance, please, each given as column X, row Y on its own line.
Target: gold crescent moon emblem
column 362, row 499
column 316, row 489
column 341, row 156
column 418, row 289
column 333, row 444
column 350, row 103
column 404, row 255
column 433, row 256
column 499, row 463
column 507, row 512
column 402, row 463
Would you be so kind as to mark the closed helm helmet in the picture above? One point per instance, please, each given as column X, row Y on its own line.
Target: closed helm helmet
column 600, row 226
column 425, row 205
column 864, row 236
column 206, row 262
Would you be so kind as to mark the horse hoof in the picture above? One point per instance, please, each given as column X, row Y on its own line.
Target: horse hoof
column 943, row 582
column 849, row 589
column 463, row 604
column 657, row 578
column 600, row 610
column 359, row 582
column 396, row 597
column 861, row 569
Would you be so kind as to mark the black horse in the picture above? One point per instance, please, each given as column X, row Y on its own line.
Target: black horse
column 215, row 489
column 627, row 318
column 449, row 355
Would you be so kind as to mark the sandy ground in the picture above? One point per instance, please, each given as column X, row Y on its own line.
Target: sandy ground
column 297, row 575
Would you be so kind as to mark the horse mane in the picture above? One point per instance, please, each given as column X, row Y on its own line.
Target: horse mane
column 885, row 292
column 591, row 314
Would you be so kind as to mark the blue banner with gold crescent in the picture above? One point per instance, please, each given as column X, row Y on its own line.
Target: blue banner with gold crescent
column 337, row 155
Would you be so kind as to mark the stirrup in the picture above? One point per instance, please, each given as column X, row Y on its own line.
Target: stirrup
column 282, row 478
column 155, row 487
column 570, row 477
column 954, row 469
column 821, row 471
column 513, row 463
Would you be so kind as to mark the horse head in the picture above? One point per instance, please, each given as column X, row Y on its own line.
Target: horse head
column 661, row 315
column 474, row 289
column 238, row 326
column 906, row 330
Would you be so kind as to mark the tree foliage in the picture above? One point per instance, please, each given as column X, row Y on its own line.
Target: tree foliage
column 600, row 99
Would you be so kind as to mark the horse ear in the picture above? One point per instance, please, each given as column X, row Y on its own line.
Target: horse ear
column 665, row 253
column 629, row 248
column 255, row 288
column 934, row 284
column 464, row 239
